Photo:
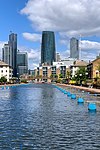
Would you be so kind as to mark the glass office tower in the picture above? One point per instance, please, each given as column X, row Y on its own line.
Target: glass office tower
column 74, row 48
column 48, row 48
column 13, row 52
column 22, row 63
column 6, row 56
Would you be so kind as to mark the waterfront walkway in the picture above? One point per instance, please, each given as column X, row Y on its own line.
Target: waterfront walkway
column 87, row 89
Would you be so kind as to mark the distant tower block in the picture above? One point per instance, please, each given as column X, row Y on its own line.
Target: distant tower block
column 48, row 47
column 58, row 57
column 74, row 48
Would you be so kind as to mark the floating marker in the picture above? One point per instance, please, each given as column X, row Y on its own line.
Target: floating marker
column 73, row 96
column 7, row 87
column 80, row 100
column 2, row 88
column 65, row 92
column 68, row 94
column 62, row 90
column 92, row 106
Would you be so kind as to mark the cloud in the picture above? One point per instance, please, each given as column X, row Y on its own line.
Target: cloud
column 34, row 54
column 34, row 58
column 87, row 56
column 32, row 37
column 65, row 54
column 33, row 65
column 90, row 45
column 69, row 17
column 89, row 49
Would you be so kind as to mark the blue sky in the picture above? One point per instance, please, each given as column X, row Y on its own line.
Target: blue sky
column 67, row 18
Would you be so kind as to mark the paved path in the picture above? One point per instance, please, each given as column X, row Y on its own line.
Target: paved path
column 91, row 90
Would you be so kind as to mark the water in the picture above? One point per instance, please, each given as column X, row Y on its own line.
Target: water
column 40, row 117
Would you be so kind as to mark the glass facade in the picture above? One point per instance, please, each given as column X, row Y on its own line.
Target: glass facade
column 13, row 52
column 48, row 47
column 22, row 63
column 6, row 54
column 74, row 48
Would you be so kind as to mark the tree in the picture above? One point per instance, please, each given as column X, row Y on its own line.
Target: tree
column 60, row 76
column 81, row 75
column 3, row 79
column 68, row 74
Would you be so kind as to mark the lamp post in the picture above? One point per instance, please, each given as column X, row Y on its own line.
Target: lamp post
column 86, row 76
column 80, row 48
column 76, row 78
column 80, row 79
column 18, row 76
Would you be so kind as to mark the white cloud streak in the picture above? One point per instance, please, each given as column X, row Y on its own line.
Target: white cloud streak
column 90, row 45
column 32, row 37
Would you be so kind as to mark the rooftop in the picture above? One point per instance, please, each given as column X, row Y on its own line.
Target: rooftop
column 80, row 63
column 3, row 63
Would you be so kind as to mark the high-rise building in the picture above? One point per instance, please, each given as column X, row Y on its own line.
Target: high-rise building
column 48, row 48
column 22, row 63
column 74, row 48
column 58, row 57
column 13, row 52
column 6, row 56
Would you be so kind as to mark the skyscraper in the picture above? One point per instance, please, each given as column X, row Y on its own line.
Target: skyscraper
column 74, row 48
column 22, row 62
column 48, row 47
column 6, row 54
column 13, row 52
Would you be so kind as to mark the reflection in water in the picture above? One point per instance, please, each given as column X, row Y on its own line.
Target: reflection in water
column 40, row 117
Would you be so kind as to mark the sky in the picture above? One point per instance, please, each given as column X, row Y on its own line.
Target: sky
column 67, row 18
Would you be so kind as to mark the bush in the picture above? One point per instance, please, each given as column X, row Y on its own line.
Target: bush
column 3, row 80
column 24, row 81
column 59, row 81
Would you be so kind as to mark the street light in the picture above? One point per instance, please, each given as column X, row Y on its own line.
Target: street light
column 18, row 76
column 80, row 78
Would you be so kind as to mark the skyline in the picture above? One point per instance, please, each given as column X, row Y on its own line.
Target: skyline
column 67, row 18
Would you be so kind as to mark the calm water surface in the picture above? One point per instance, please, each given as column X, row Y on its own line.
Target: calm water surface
column 40, row 117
